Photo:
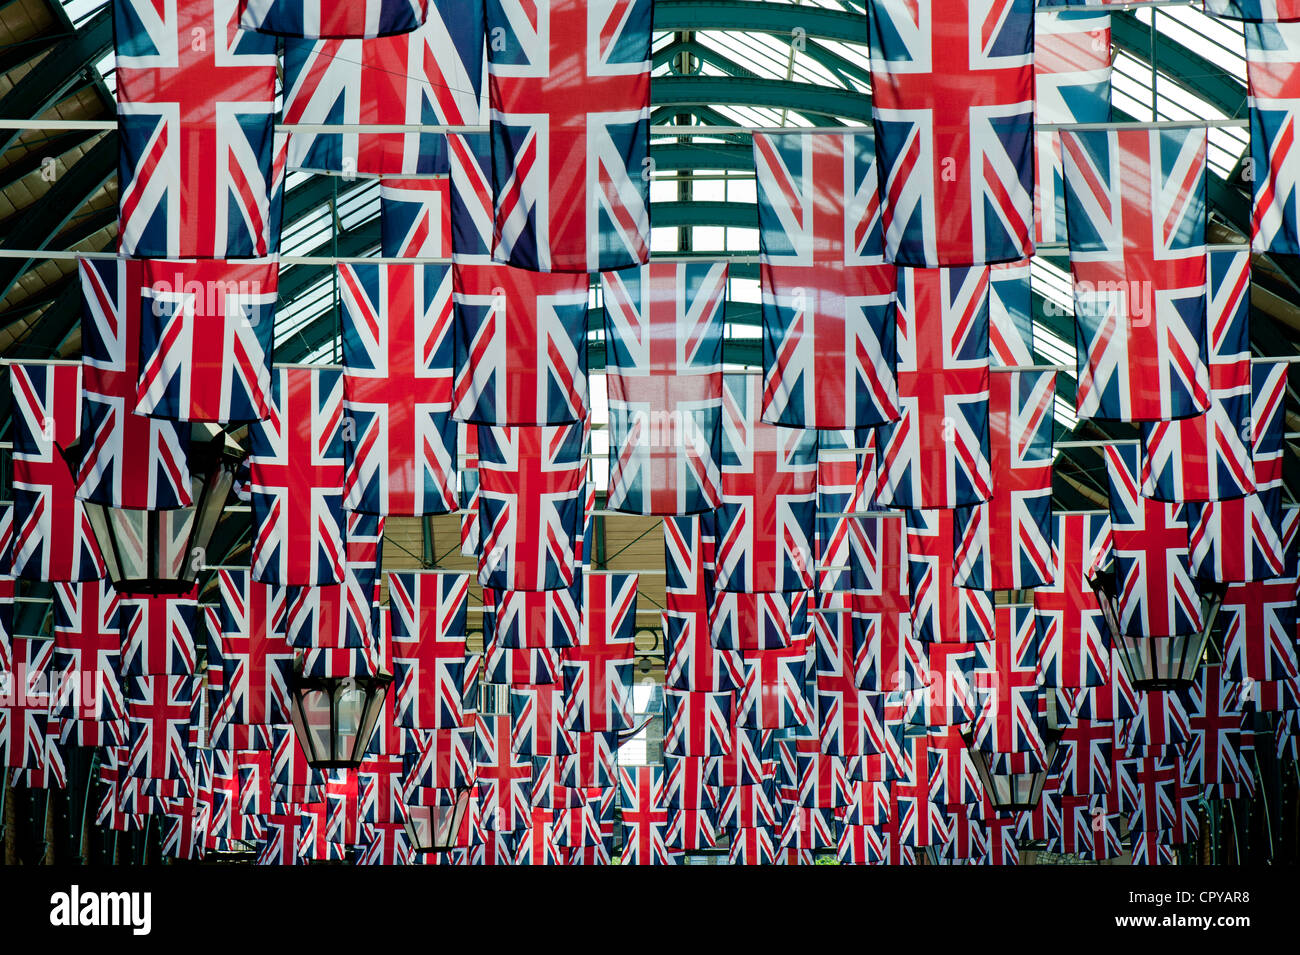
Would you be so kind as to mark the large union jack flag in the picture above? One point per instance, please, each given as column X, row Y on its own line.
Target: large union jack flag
column 52, row 536
column 521, row 346
column 430, row 76
column 663, row 367
column 206, row 330
column 1157, row 595
column 766, row 522
column 296, row 479
column 415, row 217
column 1008, row 540
column 127, row 460
column 598, row 670
column 397, row 381
column 1272, row 55
column 1208, row 457
column 570, row 90
column 196, row 111
column 323, row 18
column 1072, row 642
column 530, row 506
column 952, row 87
column 828, row 297
column 1136, row 201
column 1071, row 85
column 428, row 621
column 937, row 453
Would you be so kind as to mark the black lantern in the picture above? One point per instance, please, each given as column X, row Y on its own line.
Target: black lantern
column 334, row 717
column 1158, row 662
column 1014, row 781
column 435, row 828
column 162, row 551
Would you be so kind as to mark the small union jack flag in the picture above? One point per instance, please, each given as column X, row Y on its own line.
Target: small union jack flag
column 255, row 650
column 645, row 816
column 598, row 671
column 503, row 777
column 954, row 125
column 296, row 478
column 25, row 704
column 1072, row 641
column 196, row 110
column 1259, row 620
column 1007, row 679
column 428, row 623
column 697, row 724
column 401, row 441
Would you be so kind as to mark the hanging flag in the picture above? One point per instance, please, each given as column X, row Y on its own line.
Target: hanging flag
column 645, row 816
column 196, row 111
column 846, row 486
column 1007, row 682
column 1136, row 201
column 88, row 663
column 758, row 621
column 598, row 670
column 1072, row 637
column 828, row 296
column 882, row 610
column 954, row 132
column 52, row 536
column 206, row 331
column 765, row 524
column 363, row 552
column 537, row 722
column 8, row 587
column 569, row 84
column 1208, row 457
column 431, row 75
column 161, row 710
column 428, row 621
column 692, row 662
column 127, row 460
column 521, row 346
column 321, row 18
column 533, row 620
column 937, row 453
column 472, row 199
column 255, row 649
column 663, row 372
column 941, row 610
column 697, row 724
column 1272, row 58
column 530, row 506
column 400, row 440
column 503, row 777
column 1260, row 618
column 1071, row 85
column 1242, row 539
column 773, row 696
column 415, row 217
column 1011, row 314
column 296, row 479
column 1157, row 596
column 158, row 634
column 1007, row 540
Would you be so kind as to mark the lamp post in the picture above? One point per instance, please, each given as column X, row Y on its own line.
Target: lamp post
column 162, row 551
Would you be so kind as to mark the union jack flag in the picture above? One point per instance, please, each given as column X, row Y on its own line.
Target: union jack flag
column 828, row 297
column 645, row 815
column 431, row 75
column 52, row 536
column 663, row 364
column 521, row 346
column 773, row 696
column 1011, row 314
column 206, row 331
column 950, row 696
column 690, row 830
column 693, row 663
column 758, row 621
column 1007, row 680
column 415, row 217
column 1072, row 639
column 25, row 704
column 1214, row 754
column 442, row 759
column 158, row 634
column 537, row 722
column 1136, row 201
column 363, row 551
column 127, row 460
column 401, row 443
column 954, row 778
column 533, row 620
column 8, row 586
column 1208, row 457
column 503, row 777
column 697, row 723
column 255, row 650
column 1162, row 725
column 765, row 524
column 196, row 111
column 427, row 620
column 88, row 663
column 1259, row 620
column 548, row 788
column 850, row 721
column 686, row 783
column 1007, row 542
column 1272, row 54
column 598, row 671
column 161, row 710
column 521, row 667
column 296, row 479
column 1157, row 595
column 530, row 506
column 592, row 762
column 882, row 614
column 942, row 611
column 320, row 18
column 1071, row 85
column 937, row 453
column 1085, row 757
column 752, row 845
column 569, row 82
column 1241, row 539
column 846, row 485
column 954, row 132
